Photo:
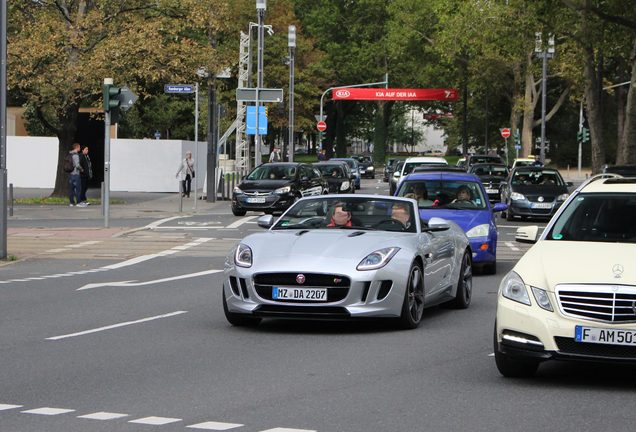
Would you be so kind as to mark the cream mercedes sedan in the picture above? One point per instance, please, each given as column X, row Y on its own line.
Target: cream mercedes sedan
column 572, row 296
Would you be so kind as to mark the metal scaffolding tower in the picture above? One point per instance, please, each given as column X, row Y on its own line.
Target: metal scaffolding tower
column 242, row 144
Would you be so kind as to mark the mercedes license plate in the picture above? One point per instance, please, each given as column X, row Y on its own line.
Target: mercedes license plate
column 542, row 205
column 256, row 200
column 310, row 294
column 492, row 191
column 605, row 336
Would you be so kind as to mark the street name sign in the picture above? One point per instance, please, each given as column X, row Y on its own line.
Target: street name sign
column 178, row 88
column 396, row 94
column 244, row 94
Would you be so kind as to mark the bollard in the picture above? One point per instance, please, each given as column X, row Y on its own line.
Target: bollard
column 10, row 199
column 233, row 185
column 223, row 182
column 180, row 197
column 101, row 198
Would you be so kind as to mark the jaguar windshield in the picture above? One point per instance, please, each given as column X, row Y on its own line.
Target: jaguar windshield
column 350, row 213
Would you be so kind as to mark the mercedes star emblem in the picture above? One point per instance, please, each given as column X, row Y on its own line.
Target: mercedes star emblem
column 618, row 270
column 540, row 199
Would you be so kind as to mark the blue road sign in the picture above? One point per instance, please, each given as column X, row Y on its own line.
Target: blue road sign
column 250, row 128
column 518, row 147
column 178, row 88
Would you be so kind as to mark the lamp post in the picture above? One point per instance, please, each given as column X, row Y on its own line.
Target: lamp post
column 543, row 53
column 291, row 43
column 261, row 7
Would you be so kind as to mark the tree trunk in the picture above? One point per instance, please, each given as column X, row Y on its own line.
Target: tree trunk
column 629, row 131
column 341, row 143
column 66, row 137
column 332, row 124
column 380, row 134
column 515, row 113
column 529, row 104
column 620, row 100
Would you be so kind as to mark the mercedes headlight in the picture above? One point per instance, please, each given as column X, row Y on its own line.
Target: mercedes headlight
column 513, row 288
column 344, row 186
column 243, row 256
column 377, row 259
column 541, row 296
column 370, row 168
column 238, row 190
column 478, row 231
column 516, row 196
column 283, row 190
column 563, row 197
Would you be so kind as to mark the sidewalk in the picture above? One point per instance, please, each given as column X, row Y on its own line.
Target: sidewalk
column 45, row 229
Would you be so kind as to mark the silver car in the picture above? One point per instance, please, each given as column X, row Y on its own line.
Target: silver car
column 347, row 257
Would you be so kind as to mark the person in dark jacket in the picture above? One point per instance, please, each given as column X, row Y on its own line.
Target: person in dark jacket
column 85, row 175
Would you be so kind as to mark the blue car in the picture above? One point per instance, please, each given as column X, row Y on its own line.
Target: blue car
column 355, row 169
column 461, row 198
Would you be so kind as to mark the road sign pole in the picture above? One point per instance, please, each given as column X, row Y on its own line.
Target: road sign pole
column 257, row 136
column 3, row 130
column 507, row 161
column 106, row 202
column 196, row 141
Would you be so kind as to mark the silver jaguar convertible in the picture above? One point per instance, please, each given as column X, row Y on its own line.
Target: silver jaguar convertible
column 348, row 257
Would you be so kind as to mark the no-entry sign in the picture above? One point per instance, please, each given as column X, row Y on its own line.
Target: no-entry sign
column 401, row 94
column 505, row 132
column 321, row 126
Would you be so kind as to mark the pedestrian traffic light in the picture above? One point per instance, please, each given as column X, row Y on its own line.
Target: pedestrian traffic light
column 517, row 137
column 583, row 135
column 112, row 101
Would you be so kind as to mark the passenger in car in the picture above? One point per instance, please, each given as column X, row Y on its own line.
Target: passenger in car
column 340, row 217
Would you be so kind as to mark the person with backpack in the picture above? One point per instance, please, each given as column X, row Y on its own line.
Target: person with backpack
column 73, row 168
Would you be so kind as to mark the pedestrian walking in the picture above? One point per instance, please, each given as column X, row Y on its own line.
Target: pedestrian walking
column 73, row 168
column 86, row 174
column 186, row 173
column 274, row 156
column 322, row 155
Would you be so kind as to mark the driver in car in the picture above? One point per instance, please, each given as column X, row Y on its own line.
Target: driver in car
column 463, row 194
column 400, row 212
column 340, row 217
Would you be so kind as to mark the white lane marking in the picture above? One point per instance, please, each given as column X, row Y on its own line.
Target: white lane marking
column 48, row 411
column 135, row 283
column 215, row 426
column 127, row 323
column 241, row 221
column 103, row 416
column 143, row 258
column 517, row 226
column 278, row 429
column 512, row 246
column 155, row 224
column 4, row 407
column 186, row 228
column 60, row 249
column 156, row 421
column 489, row 355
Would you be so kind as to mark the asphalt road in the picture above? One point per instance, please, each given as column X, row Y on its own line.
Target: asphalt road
column 142, row 345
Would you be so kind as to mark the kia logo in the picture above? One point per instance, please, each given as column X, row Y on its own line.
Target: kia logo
column 300, row 279
column 343, row 93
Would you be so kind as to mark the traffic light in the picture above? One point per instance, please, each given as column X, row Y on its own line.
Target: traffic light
column 583, row 135
column 112, row 101
column 517, row 137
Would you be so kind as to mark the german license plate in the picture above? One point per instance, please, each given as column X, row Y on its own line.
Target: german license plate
column 542, row 205
column 492, row 191
column 310, row 294
column 605, row 336
column 256, row 200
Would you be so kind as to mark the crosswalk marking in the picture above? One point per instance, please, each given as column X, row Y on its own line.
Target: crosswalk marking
column 156, row 421
column 4, row 407
column 48, row 411
column 278, row 429
column 214, row 426
column 103, row 416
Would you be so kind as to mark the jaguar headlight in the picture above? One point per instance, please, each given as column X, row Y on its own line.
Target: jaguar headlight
column 283, row 190
column 243, row 256
column 563, row 197
column 377, row 259
column 516, row 196
column 344, row 186
column 478, row 231
column 541, row 296
column 512, row 287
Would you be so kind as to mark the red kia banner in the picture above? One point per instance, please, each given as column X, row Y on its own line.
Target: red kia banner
column 351, row 93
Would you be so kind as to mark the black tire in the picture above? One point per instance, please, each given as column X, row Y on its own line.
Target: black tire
column 490, row 268
column 503, row 214
column 413, row 305
column 509, row 215
column 237, row 212
column 513, row 367
column 464, row 284
column 238, row 320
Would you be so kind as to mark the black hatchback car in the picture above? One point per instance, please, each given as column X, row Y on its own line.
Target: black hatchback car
column 534, row 192
column 492, row 175
column 338, row 176
column 273, row 187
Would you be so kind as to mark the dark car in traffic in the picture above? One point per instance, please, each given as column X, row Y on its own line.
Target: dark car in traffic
column 273, row 187
column 338, row 176
column 481, row 159
column 534, row 192
column 492, row 175
column 354, row 166
column 367, row 170
column 389, row 168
